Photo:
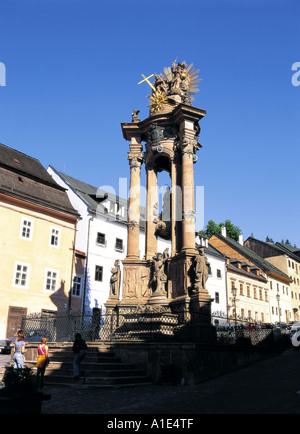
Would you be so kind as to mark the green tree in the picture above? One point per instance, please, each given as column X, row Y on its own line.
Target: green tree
column 212, row 227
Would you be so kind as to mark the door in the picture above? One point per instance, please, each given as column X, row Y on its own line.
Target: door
column 14, row 320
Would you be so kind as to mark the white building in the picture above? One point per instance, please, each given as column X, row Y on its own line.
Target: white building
column 101, row 238
column 216, row 282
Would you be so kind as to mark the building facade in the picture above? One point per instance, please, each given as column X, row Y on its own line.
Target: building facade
column 287, row 305
column 276, row 279
column 251, row 302
column 38, row 229
column 217, row 280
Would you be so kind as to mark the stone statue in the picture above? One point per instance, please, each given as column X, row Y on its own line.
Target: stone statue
column 135, row 116
column 159, row 277
column 201, row 267
column 155, row 135
column 115, row 280
column 173, row 86
column 160, row 84
column 163, row 225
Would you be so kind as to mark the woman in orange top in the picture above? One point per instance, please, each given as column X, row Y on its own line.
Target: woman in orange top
column 43, row 359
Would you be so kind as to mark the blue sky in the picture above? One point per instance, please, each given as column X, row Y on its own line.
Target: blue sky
column 72, row 68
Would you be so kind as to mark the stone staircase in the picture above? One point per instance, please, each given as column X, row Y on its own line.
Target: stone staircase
column 101, row 368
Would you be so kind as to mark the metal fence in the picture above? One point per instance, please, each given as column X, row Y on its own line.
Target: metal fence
column 148, row 326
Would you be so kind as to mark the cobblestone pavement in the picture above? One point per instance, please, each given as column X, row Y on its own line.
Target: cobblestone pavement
column 4, row 359
column 267, row 387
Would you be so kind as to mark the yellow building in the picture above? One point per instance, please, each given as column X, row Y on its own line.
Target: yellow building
column 37, row 238
column 287, row 259
column 260, row 297
column 252, row 299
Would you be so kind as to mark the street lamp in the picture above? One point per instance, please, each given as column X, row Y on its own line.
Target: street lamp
column 278, row 299
column 234, row 292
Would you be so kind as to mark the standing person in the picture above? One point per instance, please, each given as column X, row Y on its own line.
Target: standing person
column 80, row 349
column 43, row 359
column 19, row 350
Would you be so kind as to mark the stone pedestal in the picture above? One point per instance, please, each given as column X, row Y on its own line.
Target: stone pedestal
column 159, row 300
column 136, row 289
column 111, row 305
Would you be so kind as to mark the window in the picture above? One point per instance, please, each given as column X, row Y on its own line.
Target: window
column 217, row 297
column 51, row 280
column 241, row 289
column 26, row 229
column 76, row 290
column 21, row 276
column 219, row 273
column 99, row 273
column 248, row 291
column 119, row 245
column 101, row 239
column 54, row 237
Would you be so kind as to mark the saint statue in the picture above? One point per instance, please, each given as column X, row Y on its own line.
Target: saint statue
column 115, row 280
column 159, row 277
column 201, row 267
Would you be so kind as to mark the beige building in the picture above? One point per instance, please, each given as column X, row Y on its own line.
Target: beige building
column 261, row 294
column 38, row 227
column 287, row 259
column 252, row 298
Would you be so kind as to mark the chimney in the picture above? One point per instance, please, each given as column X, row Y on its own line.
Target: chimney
column 223, row 231
column 241, row 239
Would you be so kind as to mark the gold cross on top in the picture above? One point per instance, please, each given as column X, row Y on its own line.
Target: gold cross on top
column 147, row 80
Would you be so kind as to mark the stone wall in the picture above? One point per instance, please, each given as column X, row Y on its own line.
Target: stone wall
column 177, row 362
column 191, row 363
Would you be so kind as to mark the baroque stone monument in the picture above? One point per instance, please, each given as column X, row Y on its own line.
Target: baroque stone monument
column 174, row 280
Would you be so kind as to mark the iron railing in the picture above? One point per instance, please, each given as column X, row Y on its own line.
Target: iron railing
column 148, row 326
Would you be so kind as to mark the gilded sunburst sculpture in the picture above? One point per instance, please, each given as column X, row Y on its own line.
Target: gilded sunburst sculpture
column 175, row 85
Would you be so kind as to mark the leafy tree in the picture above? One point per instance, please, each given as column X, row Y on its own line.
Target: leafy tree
column 212, row 227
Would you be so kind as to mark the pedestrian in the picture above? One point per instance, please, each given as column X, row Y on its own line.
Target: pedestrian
column 80, row 349
column 42, row 361
column 19, row 350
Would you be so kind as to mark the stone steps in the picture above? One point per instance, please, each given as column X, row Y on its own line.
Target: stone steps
column 99, row 369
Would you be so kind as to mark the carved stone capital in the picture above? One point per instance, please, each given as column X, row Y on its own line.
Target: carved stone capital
column 135, row 160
